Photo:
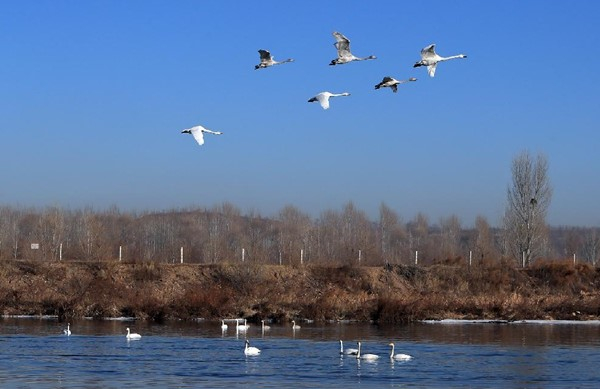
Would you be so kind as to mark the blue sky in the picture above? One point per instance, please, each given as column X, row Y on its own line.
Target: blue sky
column 94, row 95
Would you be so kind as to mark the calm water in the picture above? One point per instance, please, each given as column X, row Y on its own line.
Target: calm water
column 35, row 353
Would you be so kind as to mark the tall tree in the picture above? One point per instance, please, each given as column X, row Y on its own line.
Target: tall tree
column 529, row 197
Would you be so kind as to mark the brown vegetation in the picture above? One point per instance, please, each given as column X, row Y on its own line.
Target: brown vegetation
column 391, row 293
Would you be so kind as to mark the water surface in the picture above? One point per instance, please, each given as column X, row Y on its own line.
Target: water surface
column 35, row 353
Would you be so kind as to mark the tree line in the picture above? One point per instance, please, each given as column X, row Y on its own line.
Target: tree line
column 343, row 237
column 224, row 234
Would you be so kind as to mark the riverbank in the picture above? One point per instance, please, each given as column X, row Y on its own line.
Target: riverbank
column 389, row 294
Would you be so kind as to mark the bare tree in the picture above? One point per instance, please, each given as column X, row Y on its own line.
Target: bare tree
column 484, row 239
column 591, row 246
column 418, row 234
column 294, row 228
column 528, row 201
column 392, row 235
column 451, row 233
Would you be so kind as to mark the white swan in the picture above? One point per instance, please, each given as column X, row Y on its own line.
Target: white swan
column 250, row 350
column 241, row 328
column 399, row 357
column 67, row 331
column 369, row 357
column 430, row 59
column 132, row 335
column 264, row 326
column 323, row 98
column 266, row 60
column 223, row 325
column 392, row 83
column 198, row 133
column 295, row 326
column 343, row 49
column 348, row 351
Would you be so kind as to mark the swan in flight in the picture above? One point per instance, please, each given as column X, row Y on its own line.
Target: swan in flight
column 348, row 351
column 67, row 331
column 198, row 133
column 398, row 357
column 223, row 325
column 430, row 59
column 392, row 83
column 132, row 335
column 250, row 350
column 295, row 326
column 323, row 98
column 266, row 60
column 370, row 357
column 342, row 45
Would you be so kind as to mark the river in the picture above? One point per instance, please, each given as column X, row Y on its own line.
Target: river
column 34, row 352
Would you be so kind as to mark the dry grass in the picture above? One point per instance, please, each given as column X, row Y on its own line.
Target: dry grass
column 392, row 294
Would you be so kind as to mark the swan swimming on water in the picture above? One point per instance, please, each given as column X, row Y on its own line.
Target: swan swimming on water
column 348, row 351
column 250, row 350
column 342, row 45
column 132, row 335
column 430, row 59
column 264, row 326
column 399, row 357
column 243, row 327
column 266, row 60
column 198, row 133
column 369, row 357
column 223, row 325
column 392, row 83
column 295, row 326
column 67, row 331
column 323, row 98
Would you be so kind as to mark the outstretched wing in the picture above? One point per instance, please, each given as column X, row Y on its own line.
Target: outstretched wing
column 265, row 56
column 394, row 88
column 342, row 45
column 198, row 135
column 428, row 52
column 323, row 100
column 431, row 69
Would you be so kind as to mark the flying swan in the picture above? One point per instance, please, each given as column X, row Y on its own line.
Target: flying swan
column 342, row 45
column 392, row 83
column 348, row 351
column 250, row 350
column 198, row 133
column 132, row 335
column 399, row 357
column 266, row 60
column 369, row 357
column 430, row 59
column 323, row 98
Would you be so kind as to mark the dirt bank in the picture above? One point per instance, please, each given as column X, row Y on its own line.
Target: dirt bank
column 386, row 294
